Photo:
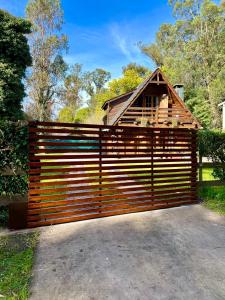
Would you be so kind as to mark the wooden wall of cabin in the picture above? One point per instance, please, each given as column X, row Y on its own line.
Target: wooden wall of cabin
column 115, row 106
column 158, row 91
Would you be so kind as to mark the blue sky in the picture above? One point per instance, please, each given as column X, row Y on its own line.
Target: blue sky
column 105, row 34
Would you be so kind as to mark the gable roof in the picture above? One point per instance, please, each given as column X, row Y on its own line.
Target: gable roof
column 136, row 93
column 116, row 98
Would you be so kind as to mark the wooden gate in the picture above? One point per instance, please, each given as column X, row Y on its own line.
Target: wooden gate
column 80, row 172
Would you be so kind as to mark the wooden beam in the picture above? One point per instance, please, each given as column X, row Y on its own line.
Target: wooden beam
column 158, row 81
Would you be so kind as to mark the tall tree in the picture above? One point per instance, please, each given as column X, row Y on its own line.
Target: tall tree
column 14, row 58
column 192, row 51
column 142, row 71
column 132, row 76
column 72, row 86
column 47, row 44
column 94, row 83
column 71, row 96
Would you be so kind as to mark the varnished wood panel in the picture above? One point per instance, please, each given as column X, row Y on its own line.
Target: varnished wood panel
column 80, row 172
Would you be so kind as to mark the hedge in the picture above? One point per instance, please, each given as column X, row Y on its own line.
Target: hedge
column 13, row 156
column 211, row 144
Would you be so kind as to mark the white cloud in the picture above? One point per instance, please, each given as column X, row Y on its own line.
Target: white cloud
column 121, row 41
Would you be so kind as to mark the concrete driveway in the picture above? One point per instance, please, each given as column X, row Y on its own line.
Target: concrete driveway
column 176, row 253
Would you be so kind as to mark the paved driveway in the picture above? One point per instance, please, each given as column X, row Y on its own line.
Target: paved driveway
column 176, row 253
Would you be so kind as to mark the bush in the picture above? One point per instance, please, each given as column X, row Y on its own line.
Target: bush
column 211, row 144
column 13, row 156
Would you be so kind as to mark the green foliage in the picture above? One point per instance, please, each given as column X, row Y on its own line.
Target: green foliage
column 211, row 144
column 213, row 198
column 48, row 68
column 82, row 115
column 192, row 52
column 14, row 58
column 139, row 69
column 66, row 114
column 13, row 156
column 16, row 260
column 132, row 76
column 94, row 81
column 72, row 87
column 129, row 81
column 4, row 216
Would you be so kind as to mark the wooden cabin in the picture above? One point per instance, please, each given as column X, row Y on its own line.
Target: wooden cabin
column 154, row 103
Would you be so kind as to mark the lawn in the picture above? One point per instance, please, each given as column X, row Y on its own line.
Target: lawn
column 213, row 198
column 16, row 260
column 207, row 174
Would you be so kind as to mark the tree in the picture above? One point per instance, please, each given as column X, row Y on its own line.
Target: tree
column 94, row 83
column 72, row 86
column 47, row 45
column 142, row 71
column 66, row 114
column 129, row 81
column 71, row 94
column 82, row 115
column 132, row 76
column 192, row 51
column 14, row 58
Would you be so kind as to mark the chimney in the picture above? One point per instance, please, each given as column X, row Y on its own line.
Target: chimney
column 179, row 88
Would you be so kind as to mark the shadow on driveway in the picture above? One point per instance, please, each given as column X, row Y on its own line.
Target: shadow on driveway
column 176, row 253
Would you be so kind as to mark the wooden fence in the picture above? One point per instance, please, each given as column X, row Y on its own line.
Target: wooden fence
column 80, row 172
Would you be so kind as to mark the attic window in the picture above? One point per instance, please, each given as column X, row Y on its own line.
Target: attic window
column 152, row 101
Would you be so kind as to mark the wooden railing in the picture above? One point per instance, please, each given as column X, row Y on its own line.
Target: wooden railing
column 158, row 116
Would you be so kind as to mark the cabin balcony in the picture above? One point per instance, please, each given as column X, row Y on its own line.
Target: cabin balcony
column 157, row 117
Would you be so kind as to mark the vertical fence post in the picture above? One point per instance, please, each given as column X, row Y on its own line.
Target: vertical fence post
column 152, row 163
column 100, row 160
column 32, row 137
column 194, row 163
column 200, row 170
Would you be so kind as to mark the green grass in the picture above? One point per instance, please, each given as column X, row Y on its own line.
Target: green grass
column 207, row 174
column 213, row 198
column 16, row 259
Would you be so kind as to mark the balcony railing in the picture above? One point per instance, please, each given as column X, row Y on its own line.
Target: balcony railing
column 157, row 116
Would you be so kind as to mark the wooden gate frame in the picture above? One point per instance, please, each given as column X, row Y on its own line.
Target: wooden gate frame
column 80, row 171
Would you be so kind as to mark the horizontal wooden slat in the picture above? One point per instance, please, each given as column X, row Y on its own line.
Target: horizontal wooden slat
column 112, row 137
column 36, row 208
column 185, row 181
column 109, row 168
column 101, row 207
column 107, row 179
column 158, row 109
column 107, row 214
column 172, row 189
column 114, row 173
column 73, row 125
column 160, row 144
column 146, row 150
column 83, row 171
column 94, row 156
column 162, row 162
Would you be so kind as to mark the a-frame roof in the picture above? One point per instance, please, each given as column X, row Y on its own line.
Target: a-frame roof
column 137, row 92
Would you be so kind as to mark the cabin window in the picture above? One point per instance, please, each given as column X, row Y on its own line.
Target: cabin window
column 155, row 101
column 152, row 101
column 148, row 101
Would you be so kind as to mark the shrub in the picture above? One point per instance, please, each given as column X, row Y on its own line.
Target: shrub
column 13, row 156
column 211, row 144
